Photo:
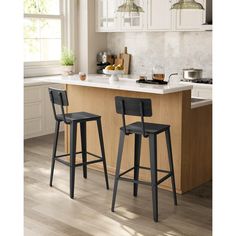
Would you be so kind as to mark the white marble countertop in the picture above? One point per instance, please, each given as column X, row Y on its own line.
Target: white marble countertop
column 197, row 84
column 37, row 81
column 200, row 102
column 125, row 83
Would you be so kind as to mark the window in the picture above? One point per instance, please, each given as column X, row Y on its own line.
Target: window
column 43, row 36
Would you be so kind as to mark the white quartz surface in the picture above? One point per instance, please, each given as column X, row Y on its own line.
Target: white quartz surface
column 127, row 84
column 37, row 81
column 202, row 102
column 197, row 85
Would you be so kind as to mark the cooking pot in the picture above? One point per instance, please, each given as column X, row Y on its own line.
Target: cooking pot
column 191, row 74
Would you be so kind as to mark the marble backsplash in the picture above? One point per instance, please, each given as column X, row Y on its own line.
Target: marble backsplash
column 172, row 50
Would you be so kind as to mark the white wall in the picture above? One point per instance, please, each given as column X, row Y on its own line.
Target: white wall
column 89, row 42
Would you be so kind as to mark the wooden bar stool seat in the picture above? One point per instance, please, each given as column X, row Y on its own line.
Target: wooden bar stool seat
column 150, row 128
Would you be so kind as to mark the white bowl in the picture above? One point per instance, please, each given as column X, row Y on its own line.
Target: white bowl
column 114, row 74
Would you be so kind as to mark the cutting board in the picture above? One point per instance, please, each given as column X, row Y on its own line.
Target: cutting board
column 127, row 58
column 119, row 61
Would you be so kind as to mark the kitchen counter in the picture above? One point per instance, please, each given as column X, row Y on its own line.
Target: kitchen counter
column 37, row 81
column 171, row 104
column 127, row 83
column 124, row 84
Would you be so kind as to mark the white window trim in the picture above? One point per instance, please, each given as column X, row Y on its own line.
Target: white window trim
column 67, row 14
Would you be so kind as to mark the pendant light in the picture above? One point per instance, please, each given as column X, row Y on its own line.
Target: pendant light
column 130, row 7
column 187, row 4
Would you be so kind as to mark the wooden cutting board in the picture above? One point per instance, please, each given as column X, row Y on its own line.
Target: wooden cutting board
column 127, row 58
column 119, row 61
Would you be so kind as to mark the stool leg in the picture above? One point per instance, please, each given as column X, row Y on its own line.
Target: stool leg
column 137, row 150
column 153, row 164
column 169, row 149
column 84, row 147
column 73, row 132
column 118, row 162
column 99, row 125
column 54, row 152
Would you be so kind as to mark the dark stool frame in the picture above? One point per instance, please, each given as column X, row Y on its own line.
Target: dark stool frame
column 59, row 97
column 142, row 108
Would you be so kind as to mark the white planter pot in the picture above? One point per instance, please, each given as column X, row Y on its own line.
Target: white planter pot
column 67, row 70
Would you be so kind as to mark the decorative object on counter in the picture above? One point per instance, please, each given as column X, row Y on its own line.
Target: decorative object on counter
column 142, row 78
column 113, row 74
column 67, row 61
column 151, row 81
column 104, row 59
column 143, row 73
column 130, row 7
column 158, row 73
column 187, row 4
column 126, row 58
column 82, row 76
column 191, row 74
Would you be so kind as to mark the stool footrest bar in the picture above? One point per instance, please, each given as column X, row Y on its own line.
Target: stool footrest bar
column 88, row 163
column 65, row 155
column 164, row 178
column 144, row 182
column 126, row 171
column 68, row 154
column 158, row 170
column 63, row 162
column 135, row 181
column 79, row 164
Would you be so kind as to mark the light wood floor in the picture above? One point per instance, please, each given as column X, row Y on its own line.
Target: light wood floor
column 50, row 211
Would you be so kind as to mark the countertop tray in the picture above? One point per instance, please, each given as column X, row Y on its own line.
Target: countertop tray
column 150, row 81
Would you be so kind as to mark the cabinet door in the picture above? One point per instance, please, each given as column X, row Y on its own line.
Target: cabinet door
column 113, row 21
column 132, row 21
column 33, row 111
column 101, row 15
column 205, row 93
column 159, row 15
column 190, row 19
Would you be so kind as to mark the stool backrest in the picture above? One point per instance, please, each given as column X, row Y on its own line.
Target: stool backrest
column 58, row 97
column 141, row 107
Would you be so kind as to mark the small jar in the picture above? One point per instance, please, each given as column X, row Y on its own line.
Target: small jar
column 82, row 76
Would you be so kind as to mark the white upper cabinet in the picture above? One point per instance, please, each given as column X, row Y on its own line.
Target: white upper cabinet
column 134, row 21
column 106, row 17
column 101, row 15
column 190, row 19
column 159, row 15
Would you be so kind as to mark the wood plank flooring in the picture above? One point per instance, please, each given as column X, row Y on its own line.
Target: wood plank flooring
column 50, row 211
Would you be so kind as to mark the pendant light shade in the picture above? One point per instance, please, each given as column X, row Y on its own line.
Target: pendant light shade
column 187, row 4
column 130, row 7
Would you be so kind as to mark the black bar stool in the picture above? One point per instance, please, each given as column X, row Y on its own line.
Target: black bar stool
column 142, row 108
column 59, row 97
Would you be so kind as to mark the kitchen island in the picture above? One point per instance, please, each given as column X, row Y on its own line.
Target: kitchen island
column 191, row 126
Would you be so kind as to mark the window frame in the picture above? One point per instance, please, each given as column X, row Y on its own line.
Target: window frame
column 43, row 68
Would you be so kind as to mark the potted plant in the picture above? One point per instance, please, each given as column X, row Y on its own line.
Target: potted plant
column 67, row 61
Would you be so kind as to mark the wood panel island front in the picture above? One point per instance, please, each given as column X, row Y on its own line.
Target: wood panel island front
column 191, row 128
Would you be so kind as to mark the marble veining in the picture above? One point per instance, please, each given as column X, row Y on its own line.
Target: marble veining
column 172, row 50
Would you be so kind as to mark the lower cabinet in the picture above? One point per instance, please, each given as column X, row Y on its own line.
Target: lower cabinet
column 202, row 92
column 38, row 115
